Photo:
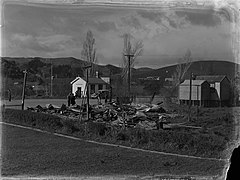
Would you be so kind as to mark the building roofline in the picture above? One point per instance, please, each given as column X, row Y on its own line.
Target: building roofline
column 73, row 81
column 214, row 76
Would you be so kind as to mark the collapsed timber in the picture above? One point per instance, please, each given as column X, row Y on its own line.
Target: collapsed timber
column 147, row 116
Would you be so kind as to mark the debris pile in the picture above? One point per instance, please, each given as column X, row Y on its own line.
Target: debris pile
column 147, row 116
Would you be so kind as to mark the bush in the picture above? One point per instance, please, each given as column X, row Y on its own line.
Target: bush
column 97, row 128
column 39, row 120
column 69, row 126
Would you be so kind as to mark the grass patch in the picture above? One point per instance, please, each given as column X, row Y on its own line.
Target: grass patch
column 206, row 142
column 32, row 153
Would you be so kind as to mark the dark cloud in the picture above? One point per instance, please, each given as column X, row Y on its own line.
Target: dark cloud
column 200, row 17
column 131, row 21
column 225, row 14
column 27, row 41
column 104, row 26
column 161, row 17
column 195, row 17
column 58, row 32
column 172, row 23
column 153, row 16
column 52, row 43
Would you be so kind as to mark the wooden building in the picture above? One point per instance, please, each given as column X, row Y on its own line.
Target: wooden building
column 95, row 84
column 200, row 94
column 222, row 85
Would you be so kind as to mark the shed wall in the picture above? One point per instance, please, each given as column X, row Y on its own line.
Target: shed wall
column 205, row 89
column 225, row 89
column 184, row 91
column 217, row 87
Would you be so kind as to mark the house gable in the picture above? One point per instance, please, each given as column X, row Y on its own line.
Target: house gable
column 212, row 79
column 75, row 80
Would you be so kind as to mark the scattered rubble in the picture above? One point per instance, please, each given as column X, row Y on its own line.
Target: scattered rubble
column 147, row 116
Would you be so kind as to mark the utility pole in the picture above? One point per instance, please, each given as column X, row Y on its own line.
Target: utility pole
column 87, row 91
column 87, row 83
column 51, row 79
column 129, row 73
column 198, row 100
column 24, row 87
column 110, row 83
column 190, row 98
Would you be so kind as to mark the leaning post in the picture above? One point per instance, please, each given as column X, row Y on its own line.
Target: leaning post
column 24, row 87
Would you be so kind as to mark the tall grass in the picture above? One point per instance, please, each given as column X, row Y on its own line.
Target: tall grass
column 196, row 142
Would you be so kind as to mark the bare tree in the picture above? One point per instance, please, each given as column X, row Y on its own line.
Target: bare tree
column 89, row 51
column 134, row 48
column 181, row 70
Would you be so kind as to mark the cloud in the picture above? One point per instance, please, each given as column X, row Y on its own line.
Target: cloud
column 166, row 18
column 38, row 31
column 27, row 42
column 28, row 45
column 56, row 42
column 104, row 26
column 131, row 21
column 200, row 17
column 150, row 15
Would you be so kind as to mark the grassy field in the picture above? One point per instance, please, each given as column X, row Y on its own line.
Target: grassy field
column 199, row 142
column 30, row 153
column 42, row 102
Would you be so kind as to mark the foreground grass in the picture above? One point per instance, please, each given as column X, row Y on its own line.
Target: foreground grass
column 209, row 141
column 31, row 153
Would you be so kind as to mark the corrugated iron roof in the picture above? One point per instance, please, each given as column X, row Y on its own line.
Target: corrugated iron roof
column 216, row 78
column 194, row 82
column 94, row 80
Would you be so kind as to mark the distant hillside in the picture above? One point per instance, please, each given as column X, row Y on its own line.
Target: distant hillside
column 56, row 61
column 104, row 70
column 210, row 67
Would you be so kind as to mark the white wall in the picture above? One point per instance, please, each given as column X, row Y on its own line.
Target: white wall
column 79, row 83
column 217, row 87
column 106, row 79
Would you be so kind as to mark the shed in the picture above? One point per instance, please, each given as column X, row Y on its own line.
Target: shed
column 79, row 85
column 222, row 85
column 200, row 93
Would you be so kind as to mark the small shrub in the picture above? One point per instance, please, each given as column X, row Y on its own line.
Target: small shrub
column 122, row 136
column 97, row 128
column 69, row 126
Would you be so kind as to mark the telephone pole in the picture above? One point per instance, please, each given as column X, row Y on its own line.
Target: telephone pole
column 24, row 87
column 129, row 73
column 51, row 79
column 87, row 90
column 190, row 98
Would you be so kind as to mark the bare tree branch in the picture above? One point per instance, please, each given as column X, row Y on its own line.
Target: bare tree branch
column 135, row 49
column 89, row 51
column 182, row 69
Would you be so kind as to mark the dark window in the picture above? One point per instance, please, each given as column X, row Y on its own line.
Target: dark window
column 92, row 88
column 100, row 87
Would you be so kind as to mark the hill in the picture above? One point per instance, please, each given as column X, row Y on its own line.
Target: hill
column 210, row 67
column 206, row 67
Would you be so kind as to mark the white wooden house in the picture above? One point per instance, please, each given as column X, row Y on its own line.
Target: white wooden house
column 95, row 84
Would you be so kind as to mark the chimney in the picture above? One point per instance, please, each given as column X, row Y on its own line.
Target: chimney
column 97, row 76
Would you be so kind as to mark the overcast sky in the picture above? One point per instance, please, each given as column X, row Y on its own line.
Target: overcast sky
column 59, row 31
